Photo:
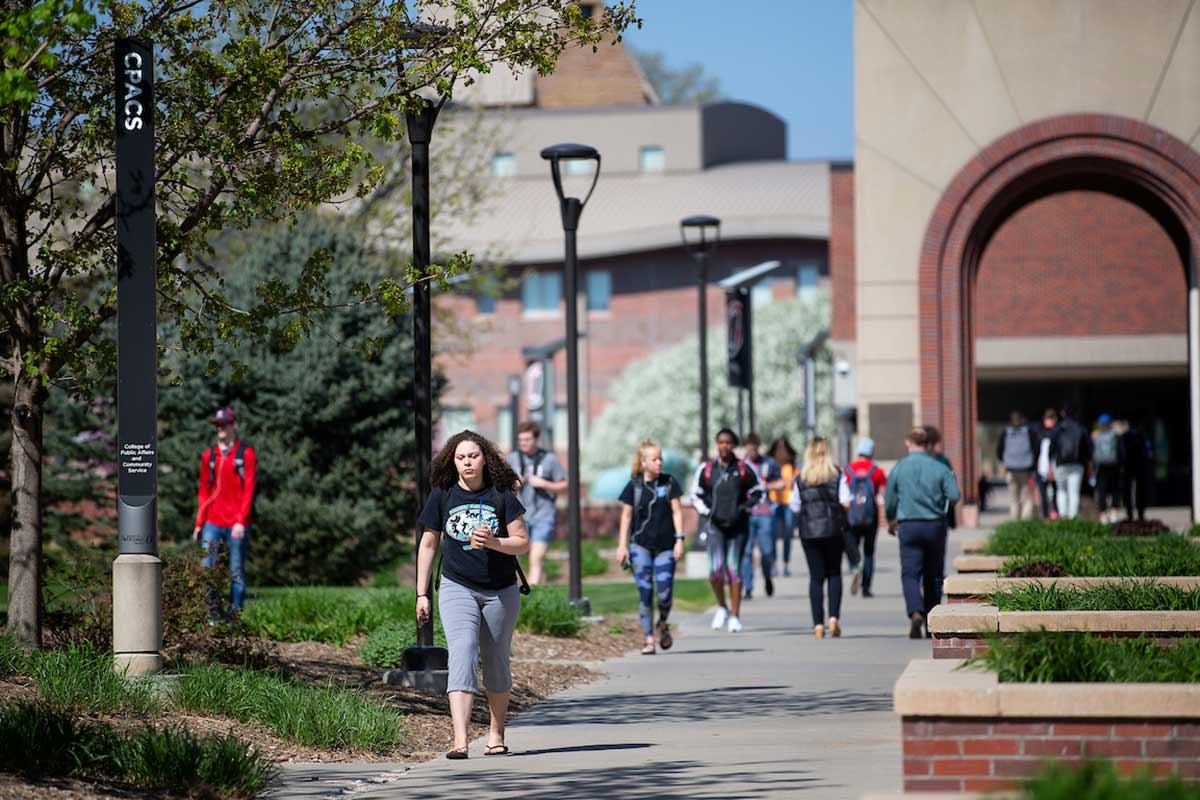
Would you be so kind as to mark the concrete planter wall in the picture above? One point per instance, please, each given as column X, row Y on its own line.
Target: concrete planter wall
column 964, row 731
column 975, row 588
column 958, row 628
column 979, row 563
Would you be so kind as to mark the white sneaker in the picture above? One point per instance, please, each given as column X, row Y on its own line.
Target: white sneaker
column 735, row 625
column 856, row 581
column 720, row 618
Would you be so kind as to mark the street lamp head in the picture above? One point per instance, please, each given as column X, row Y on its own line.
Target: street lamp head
column 701, row 234
column 557, row 153
column 422, row 31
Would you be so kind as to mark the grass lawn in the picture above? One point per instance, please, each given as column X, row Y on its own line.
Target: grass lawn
column 621, row 597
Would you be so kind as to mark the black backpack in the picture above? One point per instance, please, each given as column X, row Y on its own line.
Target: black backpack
column 863, row 511
column 726, row 493
column 239, row 464
column 1067, row 444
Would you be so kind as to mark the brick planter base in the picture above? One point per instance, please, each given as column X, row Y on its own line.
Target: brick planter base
column 965, row 646
column 964, row 731
column 987, row 754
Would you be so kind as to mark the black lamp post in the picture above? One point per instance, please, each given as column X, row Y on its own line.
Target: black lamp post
column 571, row 209
column 514, row 408
column 424, row 665
column 701, row 234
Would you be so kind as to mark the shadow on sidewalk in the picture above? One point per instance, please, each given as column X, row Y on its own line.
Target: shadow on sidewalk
column 695, row 780
column 732, row 703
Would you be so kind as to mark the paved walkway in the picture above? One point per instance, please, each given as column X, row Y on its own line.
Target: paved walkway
column 767, row 713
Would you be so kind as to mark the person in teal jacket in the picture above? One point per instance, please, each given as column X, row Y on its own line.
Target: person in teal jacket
column 920, row 489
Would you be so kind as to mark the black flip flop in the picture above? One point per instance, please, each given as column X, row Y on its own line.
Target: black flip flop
column 457, row 755
column 496, row 750
column 664, row 636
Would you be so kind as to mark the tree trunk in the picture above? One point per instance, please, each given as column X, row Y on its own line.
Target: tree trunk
column 25, row 544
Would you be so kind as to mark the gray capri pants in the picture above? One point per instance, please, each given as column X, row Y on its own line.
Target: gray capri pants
column 463, row 610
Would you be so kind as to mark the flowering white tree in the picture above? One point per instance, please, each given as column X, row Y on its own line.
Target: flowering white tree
column 659, row 396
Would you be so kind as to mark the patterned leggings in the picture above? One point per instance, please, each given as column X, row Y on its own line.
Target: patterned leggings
column 653, row 571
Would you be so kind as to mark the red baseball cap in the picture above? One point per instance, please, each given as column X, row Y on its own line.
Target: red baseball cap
column 223, row 416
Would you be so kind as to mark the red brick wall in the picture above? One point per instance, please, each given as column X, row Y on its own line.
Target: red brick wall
column 979, row 755
column 654, row 305
column 841, row 251
column 1103, row 259
column 969, row 646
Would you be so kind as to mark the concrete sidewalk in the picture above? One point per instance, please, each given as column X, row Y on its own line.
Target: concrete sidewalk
column 767, row 713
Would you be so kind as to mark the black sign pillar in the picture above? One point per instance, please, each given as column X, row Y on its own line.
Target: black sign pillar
column 137, row 340
column 137, row 572
column 737, row 323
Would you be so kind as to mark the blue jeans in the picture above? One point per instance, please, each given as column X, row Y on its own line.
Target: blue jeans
column 213, row 538
column 922, row 561
column 541, row 530
column 654, row 574
column 861, row 550
column 784, row 521
column 762, row 532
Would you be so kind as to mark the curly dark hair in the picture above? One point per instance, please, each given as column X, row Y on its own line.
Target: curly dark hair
column 496, row 471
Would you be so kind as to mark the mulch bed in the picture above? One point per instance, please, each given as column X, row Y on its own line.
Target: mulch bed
column 543, row 666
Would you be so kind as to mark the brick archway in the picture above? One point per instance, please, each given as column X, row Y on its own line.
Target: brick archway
column 1130, row 159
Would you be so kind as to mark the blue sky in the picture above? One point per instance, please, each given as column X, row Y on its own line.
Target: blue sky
column 793, row 57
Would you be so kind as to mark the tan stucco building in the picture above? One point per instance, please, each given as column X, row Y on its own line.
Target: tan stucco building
column 968, row 115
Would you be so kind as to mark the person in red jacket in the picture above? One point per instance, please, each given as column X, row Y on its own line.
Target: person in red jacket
column 227, row 472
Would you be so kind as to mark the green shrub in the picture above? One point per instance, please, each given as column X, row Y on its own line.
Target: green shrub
column 591, row 563
column 1053, row 657
column 1166, row 555
column 174, row 758
column 546, row 610
column 38, row 741
column 330, row 717
column 12, row 656
column 1099, row 780
column 1018, row 537
column 386, row 645
column 82, row 680
column 333, row 614
column 1124, row 596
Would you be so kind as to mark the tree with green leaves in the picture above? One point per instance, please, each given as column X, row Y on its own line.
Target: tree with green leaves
column 659, row 396
column 263, row 111
column 678, row 85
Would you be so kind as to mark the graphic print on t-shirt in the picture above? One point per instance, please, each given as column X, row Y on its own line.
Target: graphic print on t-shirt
column 463, row 519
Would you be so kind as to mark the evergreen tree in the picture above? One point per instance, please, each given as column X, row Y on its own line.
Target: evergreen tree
column 330, row 419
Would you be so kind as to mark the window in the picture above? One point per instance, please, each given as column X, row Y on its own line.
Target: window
column 541, row 291
column 806, row 280
column 454, row 420
column 504, row 165
column 578, row 166
column 652, row 159
column 599, row 289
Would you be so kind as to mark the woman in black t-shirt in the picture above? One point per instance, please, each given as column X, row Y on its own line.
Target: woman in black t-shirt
column 473, row 506
column 651, row 510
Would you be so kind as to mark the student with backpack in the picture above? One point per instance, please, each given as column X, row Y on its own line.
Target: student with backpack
column 473, row 511
column 866, row 483
column 1017, row 450
column 1071, row 452
column 542, row 477
column 1106, row 454
column 651, row 539
column 820, row 500
column 724, row 491
column 762, row 518
column 228, row 471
